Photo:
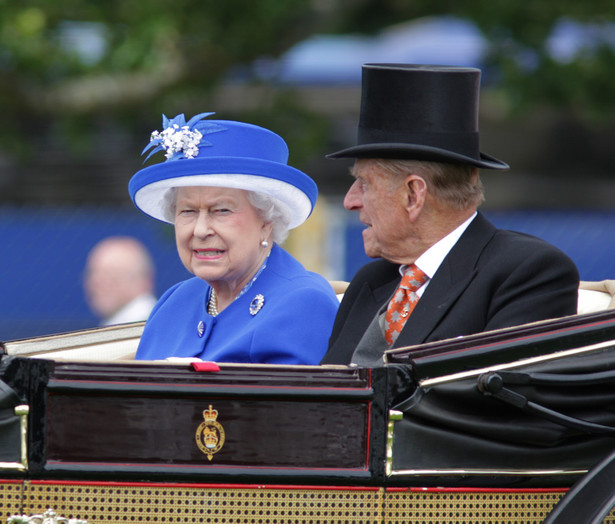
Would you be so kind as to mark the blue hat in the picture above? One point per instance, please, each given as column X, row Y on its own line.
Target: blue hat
column 221, row 153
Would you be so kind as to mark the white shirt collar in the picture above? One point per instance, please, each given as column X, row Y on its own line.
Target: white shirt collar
column 430, row 260
column 138, row 309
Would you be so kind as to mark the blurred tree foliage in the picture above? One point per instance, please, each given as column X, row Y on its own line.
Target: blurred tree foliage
column 68, row 63
column 72, row 72
column 528, row 75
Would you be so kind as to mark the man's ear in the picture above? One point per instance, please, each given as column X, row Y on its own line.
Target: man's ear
column 415, row 189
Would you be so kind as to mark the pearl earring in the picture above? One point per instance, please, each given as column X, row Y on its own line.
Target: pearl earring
column 265, row 244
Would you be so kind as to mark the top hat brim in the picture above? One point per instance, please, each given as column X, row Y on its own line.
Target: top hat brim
column 402, row 151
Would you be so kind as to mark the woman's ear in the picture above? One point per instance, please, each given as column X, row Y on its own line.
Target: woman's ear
column 415, row 189
column 266, row 230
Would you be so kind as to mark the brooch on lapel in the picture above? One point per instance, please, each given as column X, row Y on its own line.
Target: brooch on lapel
column 257, row 304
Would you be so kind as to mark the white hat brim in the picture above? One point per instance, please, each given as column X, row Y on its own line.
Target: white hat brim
column 152, row 199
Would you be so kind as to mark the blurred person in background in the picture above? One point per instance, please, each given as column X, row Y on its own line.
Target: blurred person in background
column 227, row 189
column 444, row 270
column 119, row 281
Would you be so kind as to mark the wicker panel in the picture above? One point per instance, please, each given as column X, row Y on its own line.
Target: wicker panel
column 155, row 503
column 471, row 507
column 102, row 504
column 11, row 494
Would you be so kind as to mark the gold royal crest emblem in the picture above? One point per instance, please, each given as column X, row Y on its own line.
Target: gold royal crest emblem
column 210, row 433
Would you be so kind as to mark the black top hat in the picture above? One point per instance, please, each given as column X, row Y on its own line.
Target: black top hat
column 420, row 112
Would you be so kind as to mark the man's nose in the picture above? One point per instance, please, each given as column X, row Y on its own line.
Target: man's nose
column 352, row 200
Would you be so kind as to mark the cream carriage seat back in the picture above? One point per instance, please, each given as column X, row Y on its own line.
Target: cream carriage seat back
column 596, row 296
column 339, row 286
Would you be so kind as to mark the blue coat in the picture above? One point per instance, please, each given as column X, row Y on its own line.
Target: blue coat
column 292, row 326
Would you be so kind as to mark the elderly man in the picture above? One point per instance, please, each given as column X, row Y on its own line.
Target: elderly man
column 444, row 270
column 119, row 281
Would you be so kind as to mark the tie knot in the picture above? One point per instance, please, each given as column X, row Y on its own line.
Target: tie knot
column 413, row 278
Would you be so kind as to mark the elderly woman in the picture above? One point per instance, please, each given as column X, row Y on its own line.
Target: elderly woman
column 232, row 197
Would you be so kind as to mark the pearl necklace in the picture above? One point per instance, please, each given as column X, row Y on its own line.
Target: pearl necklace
column 212, row 305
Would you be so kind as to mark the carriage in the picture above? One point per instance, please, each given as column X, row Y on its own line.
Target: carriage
column 514, row 425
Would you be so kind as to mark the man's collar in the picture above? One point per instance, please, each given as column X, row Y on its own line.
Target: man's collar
column 430, row 260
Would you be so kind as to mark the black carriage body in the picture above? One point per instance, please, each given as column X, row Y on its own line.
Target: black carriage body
column 426, row 437
column 140, row 420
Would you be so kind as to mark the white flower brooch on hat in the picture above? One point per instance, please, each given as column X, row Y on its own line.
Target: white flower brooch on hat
column 180, row 139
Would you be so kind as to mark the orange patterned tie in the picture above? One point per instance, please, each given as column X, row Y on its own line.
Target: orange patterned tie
column 402, row 303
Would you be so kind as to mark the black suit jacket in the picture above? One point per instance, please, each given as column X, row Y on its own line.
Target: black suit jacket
column 491, row 279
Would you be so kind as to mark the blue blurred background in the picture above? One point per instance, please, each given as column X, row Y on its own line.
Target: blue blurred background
column 43, row 253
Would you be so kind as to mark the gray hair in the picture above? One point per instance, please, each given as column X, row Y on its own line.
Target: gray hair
column 271, row 212
column 457, row 185
column 267, row 207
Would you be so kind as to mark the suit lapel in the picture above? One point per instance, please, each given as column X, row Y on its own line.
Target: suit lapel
column 369, row 301
column 454, row 275
column 365, row 304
